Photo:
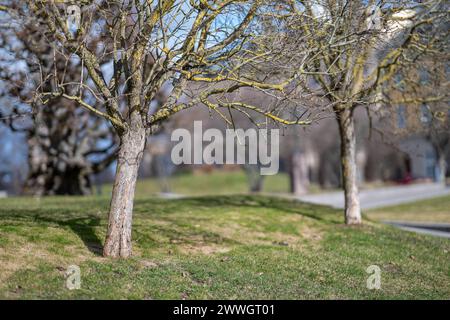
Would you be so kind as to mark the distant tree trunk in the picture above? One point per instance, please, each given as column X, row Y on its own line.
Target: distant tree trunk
column 49, row 174
column 442, row 163
column 118, row 239
column 59, row 145
column 298, row 174
column 71, row 182
column 255, row 179
column 349, row 168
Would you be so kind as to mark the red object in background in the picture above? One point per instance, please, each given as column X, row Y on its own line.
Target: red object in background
column 407, row 179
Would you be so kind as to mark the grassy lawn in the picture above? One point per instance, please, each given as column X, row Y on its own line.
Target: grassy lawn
column 431, row 210
column 216, row 182
column 223, row 247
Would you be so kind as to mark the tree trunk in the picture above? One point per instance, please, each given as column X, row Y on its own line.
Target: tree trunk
column 349, row 168
column 255, row 179
column 298, row 174
column 442, row 163
column 118, row 238
column 51, row 173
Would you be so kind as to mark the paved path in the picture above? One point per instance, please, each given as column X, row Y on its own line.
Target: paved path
column 434, row 229
column 382, row 197
column 388, row 196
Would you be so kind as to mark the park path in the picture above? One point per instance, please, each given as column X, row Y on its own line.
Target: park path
column 434, row 229
column 381, row 197
column 388, row 196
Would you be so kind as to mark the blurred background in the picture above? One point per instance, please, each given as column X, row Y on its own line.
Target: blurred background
column 397, row 145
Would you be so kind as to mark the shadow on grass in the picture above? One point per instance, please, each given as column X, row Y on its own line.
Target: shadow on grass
column 313, row 211
column 83, row 227
column 84, row 224
column 178, row 235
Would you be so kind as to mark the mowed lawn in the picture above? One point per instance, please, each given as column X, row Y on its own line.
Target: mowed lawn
column 216, row 247
column 431, row 210
column 209, row 183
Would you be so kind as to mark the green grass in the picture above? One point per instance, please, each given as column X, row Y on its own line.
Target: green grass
column 431, row 210
column 204, row 183
column 217, row 247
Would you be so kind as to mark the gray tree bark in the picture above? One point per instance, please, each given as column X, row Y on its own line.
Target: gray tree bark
column 254, row 177
column 118, row 239
column 442, row 168
column 349, row 168
column 298, row 174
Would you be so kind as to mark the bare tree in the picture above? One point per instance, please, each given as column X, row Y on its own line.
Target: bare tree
column 419, row 104
column 66, row 144
column 150, row 45
column 358, row 46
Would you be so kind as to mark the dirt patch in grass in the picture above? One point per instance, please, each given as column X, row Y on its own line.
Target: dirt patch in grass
column 311, row 233
column 251, row 236
column 206, row 249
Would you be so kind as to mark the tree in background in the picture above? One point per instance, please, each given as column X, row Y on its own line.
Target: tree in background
column 66, row 144
column 358, row 46
column 12, row 161
column 418, row 97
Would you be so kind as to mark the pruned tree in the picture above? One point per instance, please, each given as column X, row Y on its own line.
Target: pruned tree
column 358, row 46
column 66, row 144
column 203, row 52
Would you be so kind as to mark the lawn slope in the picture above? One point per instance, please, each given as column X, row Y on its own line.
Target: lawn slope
column 430, row 210
column 214, row 247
